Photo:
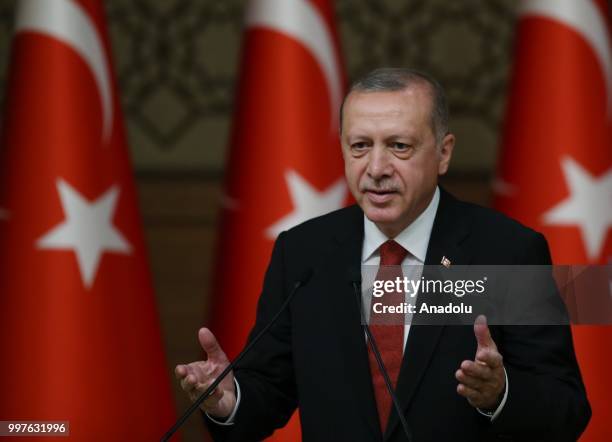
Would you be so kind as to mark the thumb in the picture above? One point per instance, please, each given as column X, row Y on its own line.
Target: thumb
column 210, row 345
column 482, row 333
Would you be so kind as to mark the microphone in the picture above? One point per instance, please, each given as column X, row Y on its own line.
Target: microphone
column 354, row 277
column 300, row 282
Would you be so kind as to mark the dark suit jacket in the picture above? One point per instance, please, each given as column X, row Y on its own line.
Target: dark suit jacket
column 316, row 358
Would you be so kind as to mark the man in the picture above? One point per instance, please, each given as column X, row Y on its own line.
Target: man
column 454, row 383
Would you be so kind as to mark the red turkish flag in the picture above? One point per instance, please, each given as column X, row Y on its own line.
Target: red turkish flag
column 79, row 330
column 285, row 164
column 555, row 170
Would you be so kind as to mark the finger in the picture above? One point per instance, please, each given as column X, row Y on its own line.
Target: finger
column 180, row 371
column 482, row 333
column 470, row 394
column 203, row 371
column 189, row 383
column 213, row 398
column 183, row 370
column 210, row 345
column 190, row 369
column 200, row 371
column 476, row 370
column 489, row 357
column 469, row 381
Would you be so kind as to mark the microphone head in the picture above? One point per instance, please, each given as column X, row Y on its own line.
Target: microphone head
column 305, row 276
column 353, row 274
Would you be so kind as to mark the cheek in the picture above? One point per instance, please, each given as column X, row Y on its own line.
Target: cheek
column 353, row 170
column 410, row 175
column 418, row 172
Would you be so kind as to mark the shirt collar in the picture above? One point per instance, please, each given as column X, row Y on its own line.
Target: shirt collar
column 414, row 238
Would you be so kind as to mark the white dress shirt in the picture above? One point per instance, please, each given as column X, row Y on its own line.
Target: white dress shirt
column 415, row 239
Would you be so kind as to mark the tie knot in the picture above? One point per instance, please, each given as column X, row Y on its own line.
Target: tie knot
column 392, row 254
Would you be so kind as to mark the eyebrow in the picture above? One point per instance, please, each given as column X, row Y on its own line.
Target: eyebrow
column 404, row 138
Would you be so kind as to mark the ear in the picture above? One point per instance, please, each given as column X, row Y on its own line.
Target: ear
column 445, row 153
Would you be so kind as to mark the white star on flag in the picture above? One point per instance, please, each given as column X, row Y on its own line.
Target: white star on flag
column 87, row 229
column 308, row 202
column 588, row 206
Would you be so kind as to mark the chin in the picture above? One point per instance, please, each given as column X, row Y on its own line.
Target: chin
column 381, row 216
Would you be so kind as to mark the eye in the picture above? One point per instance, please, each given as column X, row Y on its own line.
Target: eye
column 359, row 148
column 401, row 150
column 359, row 145
column 401, row 146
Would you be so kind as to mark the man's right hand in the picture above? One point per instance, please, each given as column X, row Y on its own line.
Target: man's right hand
column 197, row 376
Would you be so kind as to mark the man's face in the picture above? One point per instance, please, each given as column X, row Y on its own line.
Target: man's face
column 390, row 154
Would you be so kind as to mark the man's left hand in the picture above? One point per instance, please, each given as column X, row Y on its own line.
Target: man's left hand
column 482, row 381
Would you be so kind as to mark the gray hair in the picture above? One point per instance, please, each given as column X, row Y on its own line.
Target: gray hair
column 397, row 79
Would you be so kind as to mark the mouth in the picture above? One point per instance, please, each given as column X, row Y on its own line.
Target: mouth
column 379, row 196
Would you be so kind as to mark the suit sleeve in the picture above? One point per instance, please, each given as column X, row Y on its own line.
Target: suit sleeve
column 265, row 374
column 547, row 399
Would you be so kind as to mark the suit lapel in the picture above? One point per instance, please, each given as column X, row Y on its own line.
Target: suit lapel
column 450, row 227
column 347, row 255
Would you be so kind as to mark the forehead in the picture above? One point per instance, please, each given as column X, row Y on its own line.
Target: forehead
column 411, row 106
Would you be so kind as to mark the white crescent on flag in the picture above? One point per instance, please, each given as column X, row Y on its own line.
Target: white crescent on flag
column 301, row 21
column 67, row 22
column 586, row 19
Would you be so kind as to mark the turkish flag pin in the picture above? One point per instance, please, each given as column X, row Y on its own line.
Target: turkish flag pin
column 445, row 262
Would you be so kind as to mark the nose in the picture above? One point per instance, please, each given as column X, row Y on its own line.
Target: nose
column 379, row 164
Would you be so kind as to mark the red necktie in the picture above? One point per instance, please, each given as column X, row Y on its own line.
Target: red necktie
column 387, row 329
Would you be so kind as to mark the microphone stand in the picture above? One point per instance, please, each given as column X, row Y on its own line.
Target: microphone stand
column 356, row 282
column 300, row 283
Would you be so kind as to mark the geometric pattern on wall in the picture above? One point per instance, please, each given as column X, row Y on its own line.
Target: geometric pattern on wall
column 176, row 61
column 174, row 53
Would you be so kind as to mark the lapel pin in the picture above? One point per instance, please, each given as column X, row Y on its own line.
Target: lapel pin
column 445, row 262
